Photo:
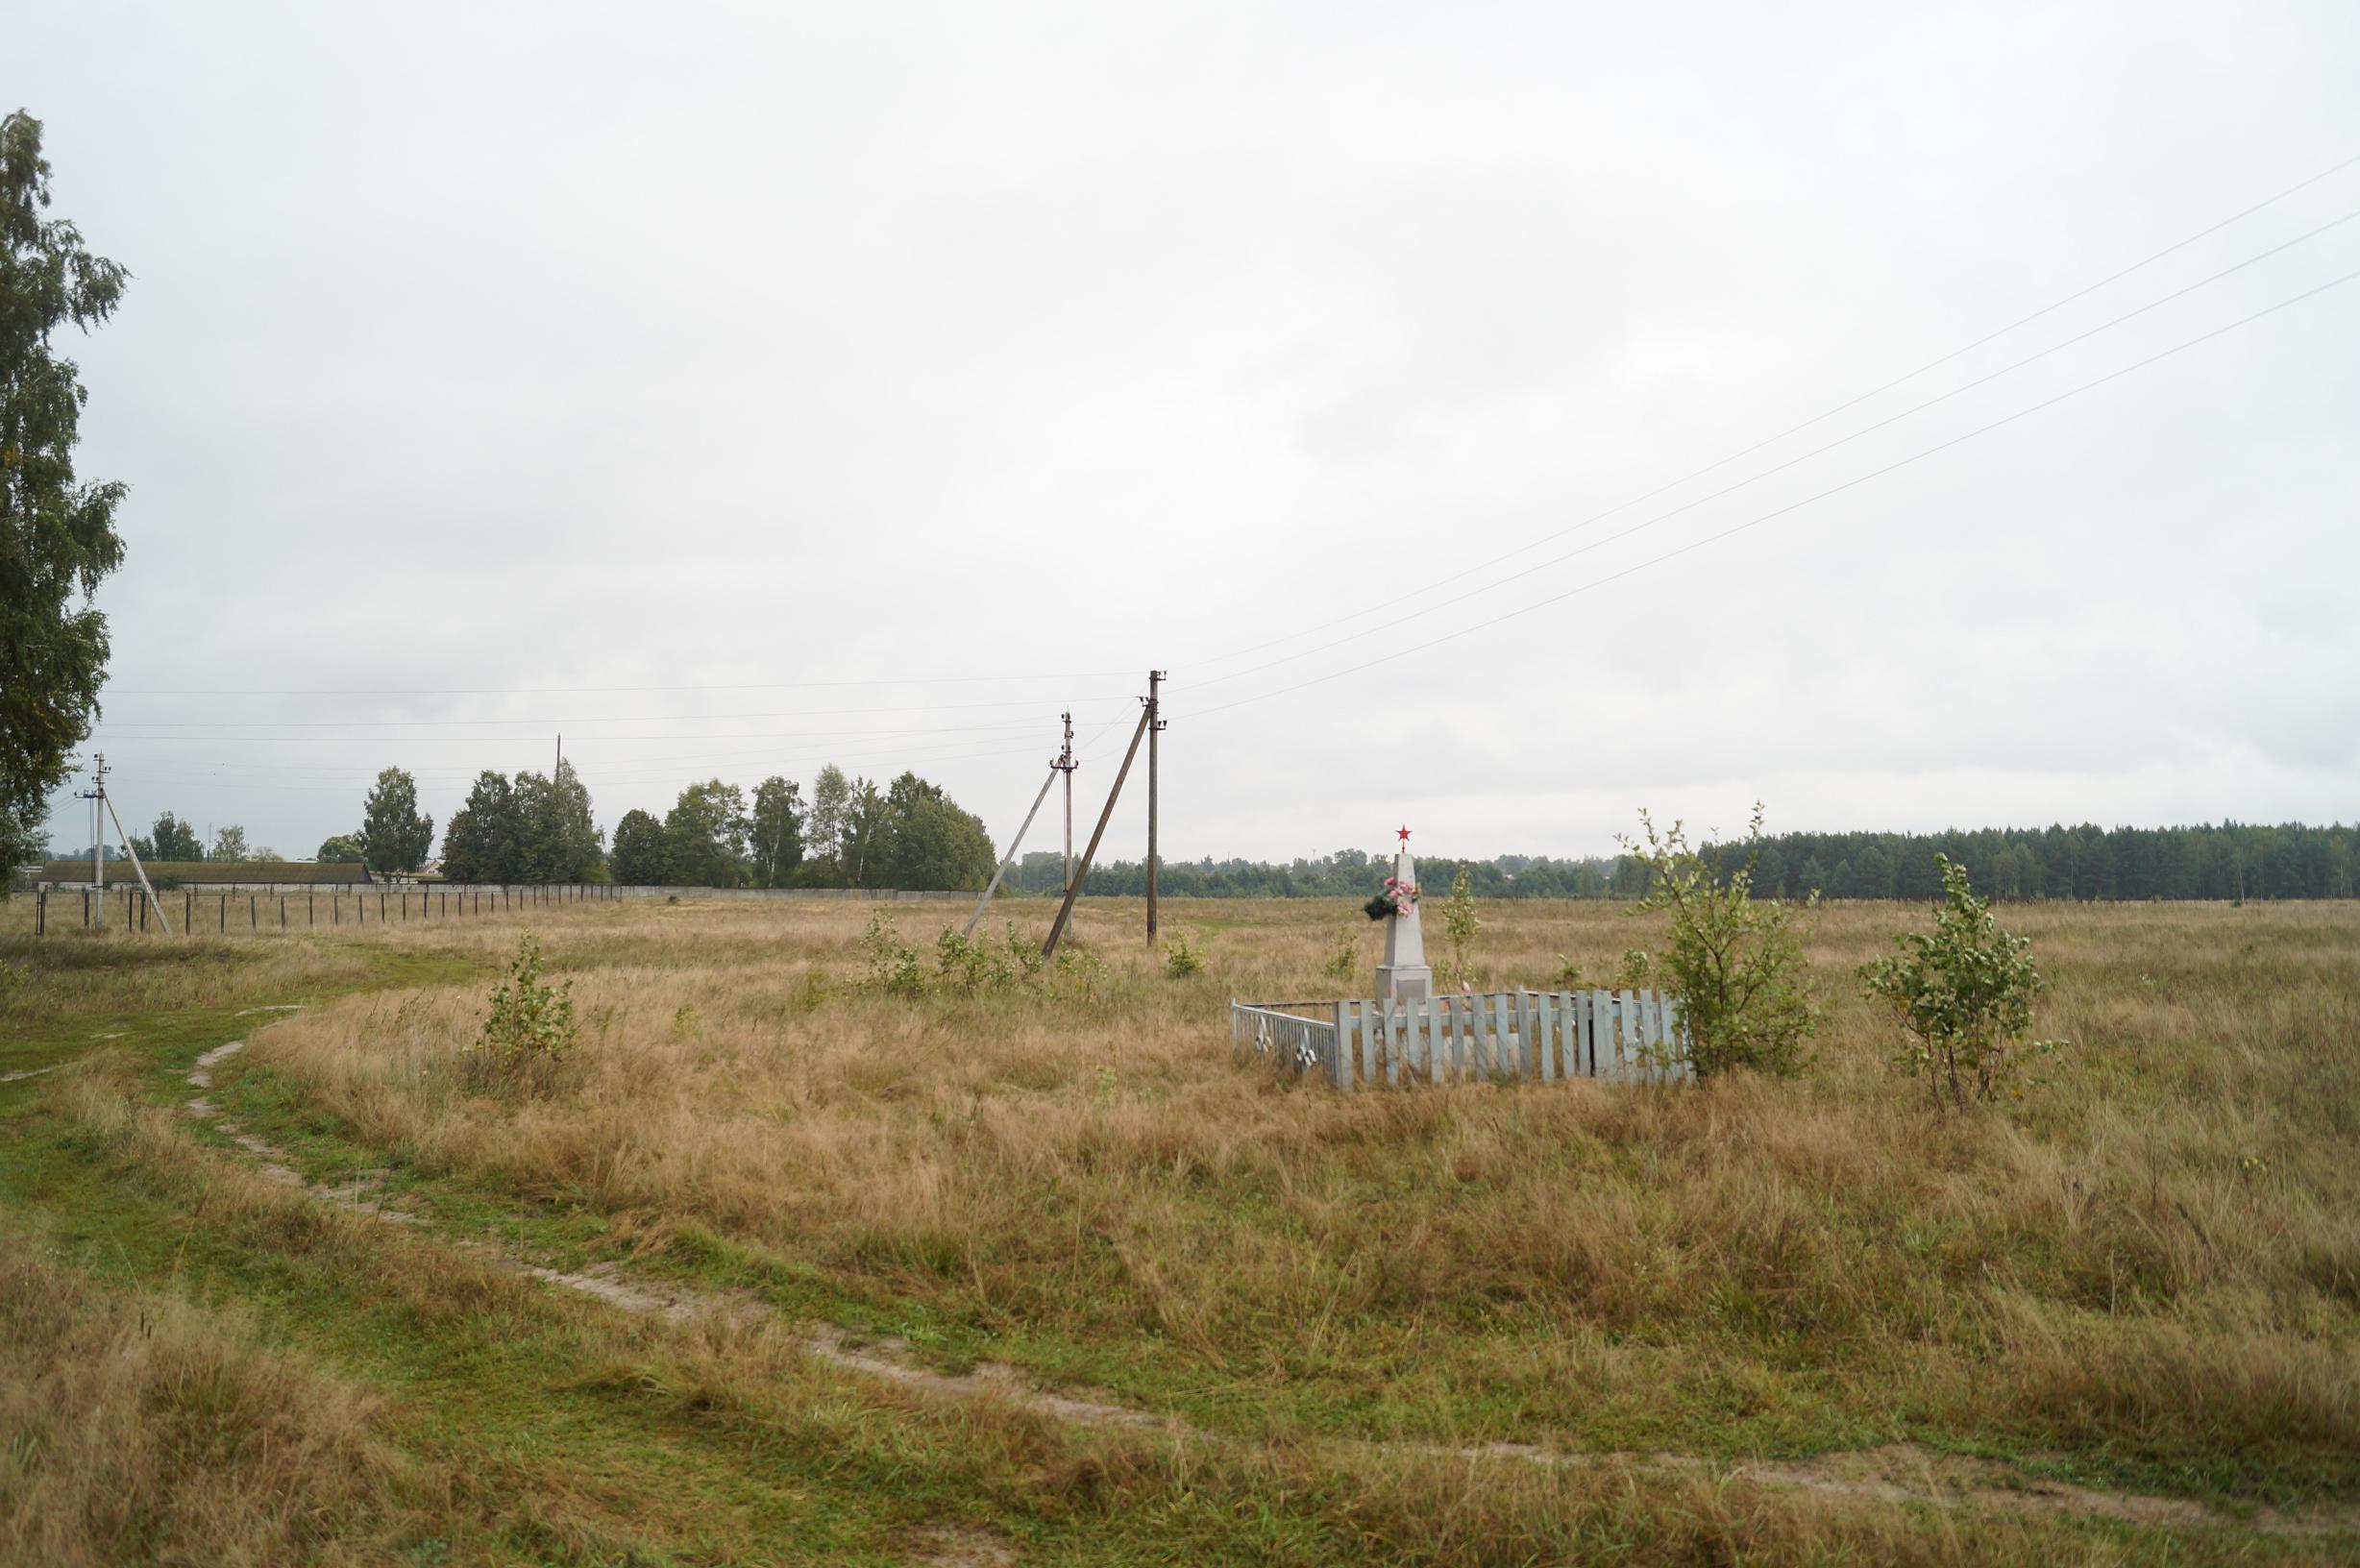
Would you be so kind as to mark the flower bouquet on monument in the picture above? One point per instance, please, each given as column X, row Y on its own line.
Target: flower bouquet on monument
column 1398, row 898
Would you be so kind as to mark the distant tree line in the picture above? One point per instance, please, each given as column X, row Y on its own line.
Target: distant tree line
column 2227, row 861
column 851, row 834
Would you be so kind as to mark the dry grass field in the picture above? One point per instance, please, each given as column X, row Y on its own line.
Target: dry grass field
column 2115, row 1321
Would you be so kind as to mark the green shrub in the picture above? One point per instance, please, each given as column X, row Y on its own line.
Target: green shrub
column 1459, row 924
column 530, row 1028
column 1734, row 963
column 1080, row 972
column 1180, row 960
column 1025, row 953
column 972, row 965
column 1344, row 956
column 1964, row 993
column 893, row 964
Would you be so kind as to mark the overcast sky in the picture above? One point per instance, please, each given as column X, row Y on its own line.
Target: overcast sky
column 737, row 388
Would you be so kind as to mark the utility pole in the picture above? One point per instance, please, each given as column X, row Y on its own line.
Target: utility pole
column 96, row 793
column 1065, row 911
column 100, row 805
column 1065, row 765
column 1155, row 728
column 560, row 763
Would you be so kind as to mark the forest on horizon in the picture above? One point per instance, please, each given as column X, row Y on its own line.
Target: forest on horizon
column 2228, row 861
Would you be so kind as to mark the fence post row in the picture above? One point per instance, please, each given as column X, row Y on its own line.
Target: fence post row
column 433, row 902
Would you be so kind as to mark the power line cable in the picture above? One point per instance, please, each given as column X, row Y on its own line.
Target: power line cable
column 1775, row 468
column 543, row 691
column 1792, row 506
column 1793, row 429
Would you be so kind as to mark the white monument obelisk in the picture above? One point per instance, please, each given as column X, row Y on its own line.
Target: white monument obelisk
column 1403, row 976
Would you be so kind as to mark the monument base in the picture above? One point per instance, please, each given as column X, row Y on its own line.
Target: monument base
column 1404, row 982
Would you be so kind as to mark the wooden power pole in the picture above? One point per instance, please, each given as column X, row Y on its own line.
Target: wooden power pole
column 1081, row 872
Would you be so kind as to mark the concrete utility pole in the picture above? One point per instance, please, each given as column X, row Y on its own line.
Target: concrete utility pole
column 1155, row 728
column 96, row 793
column 1065, row 765
column 102, row 806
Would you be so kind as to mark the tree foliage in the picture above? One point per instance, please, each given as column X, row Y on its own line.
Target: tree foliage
column 832, row 795
column 558, row 840
column 171, row 840
column 1732, row 962
column 484, row 841
column 705, row 836
column 776, row 834
column 535, row 829
column 2223, row 860
column 229, row 844
column 339, row 849
column 639, row 860
column 1964, row 993
column 923, row 840
column 56, row 533
column 395, row 835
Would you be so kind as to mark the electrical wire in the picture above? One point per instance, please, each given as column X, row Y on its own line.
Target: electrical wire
column 1792, row 506
column 1761, row 473
column 1826, row 414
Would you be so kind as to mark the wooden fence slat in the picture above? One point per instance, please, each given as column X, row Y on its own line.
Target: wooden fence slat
column 1497, row 1036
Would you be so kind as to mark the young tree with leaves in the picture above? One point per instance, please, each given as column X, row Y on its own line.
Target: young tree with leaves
column 57, row 534
column 395, row 835
column 1963, row 991
column 1734, row 962
column 229, row 844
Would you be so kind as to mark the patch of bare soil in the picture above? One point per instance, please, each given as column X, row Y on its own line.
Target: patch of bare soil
column 888, row 1359
column 1904, row 1473
column 958, row 1545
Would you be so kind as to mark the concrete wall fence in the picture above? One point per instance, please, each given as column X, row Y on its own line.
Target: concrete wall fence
column 285, row 905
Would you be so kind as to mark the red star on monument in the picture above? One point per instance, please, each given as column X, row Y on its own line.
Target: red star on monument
column 1404, row 833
